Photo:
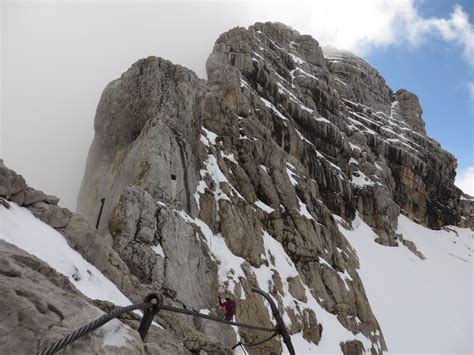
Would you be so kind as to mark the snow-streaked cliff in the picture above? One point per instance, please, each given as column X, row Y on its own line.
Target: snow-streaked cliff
column 289, row 170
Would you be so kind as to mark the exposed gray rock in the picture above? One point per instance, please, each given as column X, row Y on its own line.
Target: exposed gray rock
column 352, row 347
column 147, row 129
column 192, row 275
column 256, row 160
column 412, row 247
column 357, row 81
column 296, row 289
column 286, row 126
column 133, row 226
column 410, row 110
column 316, row 179
column 160, row 246
column 376, row 205
column 312, row 330
column 40, row 306
column 466, row 209
column 14, row 188
column 242, row 230
column 55, row 216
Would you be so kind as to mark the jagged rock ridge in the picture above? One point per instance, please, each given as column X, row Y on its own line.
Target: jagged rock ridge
column 289, row 137
column 233, row 182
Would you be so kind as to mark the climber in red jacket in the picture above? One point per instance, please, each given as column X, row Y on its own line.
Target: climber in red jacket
column 229, row 307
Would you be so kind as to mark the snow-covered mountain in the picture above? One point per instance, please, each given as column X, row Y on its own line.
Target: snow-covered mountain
column 290, row 169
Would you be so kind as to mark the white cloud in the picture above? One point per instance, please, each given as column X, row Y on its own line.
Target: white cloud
column 362, row 25
column 465, row 181
column 457, row 29
column 356, row 25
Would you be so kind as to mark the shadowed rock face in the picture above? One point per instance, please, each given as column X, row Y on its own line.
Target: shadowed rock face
column 239, row 182
column 147, row 127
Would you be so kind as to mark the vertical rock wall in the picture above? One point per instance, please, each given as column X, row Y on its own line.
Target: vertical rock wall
column 210, row 186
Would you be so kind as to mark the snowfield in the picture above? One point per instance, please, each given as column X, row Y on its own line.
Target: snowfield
column 19, row 227
column 423, row 306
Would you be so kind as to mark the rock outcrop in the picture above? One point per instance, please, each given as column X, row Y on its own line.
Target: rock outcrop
column 36, row 300
column 42, row 304
column 289, row 136
column 239, row 182
column 139, row 141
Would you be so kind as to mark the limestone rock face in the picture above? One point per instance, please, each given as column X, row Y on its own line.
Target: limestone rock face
column 28, row 281
column 410, row 110
column 241, row 181
column 133, row 226
column 160, row 246
column 281, row 137
column 417, row 172
column 352, row 347
column 466, row 206
column 357, row 81
column 147, row 130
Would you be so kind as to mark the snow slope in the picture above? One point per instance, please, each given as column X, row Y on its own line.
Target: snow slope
column 423, row 306
column 333, row 332
column 19, row 227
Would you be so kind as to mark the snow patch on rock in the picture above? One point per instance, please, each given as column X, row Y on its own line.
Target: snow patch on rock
column 20, row 228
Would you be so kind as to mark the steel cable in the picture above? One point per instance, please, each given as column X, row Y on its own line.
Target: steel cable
column 143, row 306
column 215, row 319
column 255, row 344
column 92, row 326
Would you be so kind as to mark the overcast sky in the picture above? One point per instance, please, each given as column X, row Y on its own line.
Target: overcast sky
column 58, row 57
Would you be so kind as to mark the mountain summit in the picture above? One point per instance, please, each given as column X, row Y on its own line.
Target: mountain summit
column 269, row 174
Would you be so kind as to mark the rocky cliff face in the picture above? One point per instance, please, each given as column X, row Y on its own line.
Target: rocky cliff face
column 279, row 139
column 241, row 180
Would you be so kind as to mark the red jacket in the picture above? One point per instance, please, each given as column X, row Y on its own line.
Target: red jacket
column 228, row 308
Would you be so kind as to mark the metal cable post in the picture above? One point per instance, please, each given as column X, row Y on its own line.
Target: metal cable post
column 150, row 313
